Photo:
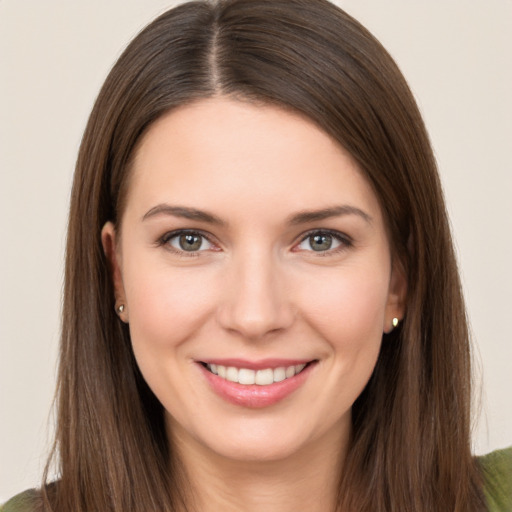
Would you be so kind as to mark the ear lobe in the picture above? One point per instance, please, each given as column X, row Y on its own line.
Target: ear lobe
column 397, row 296
column 112, row 253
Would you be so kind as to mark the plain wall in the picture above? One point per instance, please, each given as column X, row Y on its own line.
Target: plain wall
column 54, row 56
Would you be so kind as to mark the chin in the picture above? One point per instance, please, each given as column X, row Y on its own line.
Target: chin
column 252, row 450
column 268, row 438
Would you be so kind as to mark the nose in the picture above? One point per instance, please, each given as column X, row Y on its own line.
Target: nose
column 255, row 301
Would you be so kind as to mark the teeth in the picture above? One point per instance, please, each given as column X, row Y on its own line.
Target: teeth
column 279, row 374
column 232, row 374
column 265, row 377
column 246, row 376
column 260, row 377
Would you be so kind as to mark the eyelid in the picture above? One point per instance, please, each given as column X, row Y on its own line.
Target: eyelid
column 345, row 241
column 169, row 235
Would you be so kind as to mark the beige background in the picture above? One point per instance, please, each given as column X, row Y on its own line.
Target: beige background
column 54, row 56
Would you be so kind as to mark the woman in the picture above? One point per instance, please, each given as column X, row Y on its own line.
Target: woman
column 274, row 319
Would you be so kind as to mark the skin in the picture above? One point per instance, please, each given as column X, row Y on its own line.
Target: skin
column 255, row 289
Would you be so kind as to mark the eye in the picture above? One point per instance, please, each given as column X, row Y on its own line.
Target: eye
column 323, row 241
column 187, row 241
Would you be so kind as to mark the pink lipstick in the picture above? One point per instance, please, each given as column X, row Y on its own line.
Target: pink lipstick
column 255, row 384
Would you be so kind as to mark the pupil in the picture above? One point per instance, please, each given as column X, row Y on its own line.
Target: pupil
column 321, row 242
column 190, row 242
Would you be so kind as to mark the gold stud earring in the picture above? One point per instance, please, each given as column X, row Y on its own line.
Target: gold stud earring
column 394, row 322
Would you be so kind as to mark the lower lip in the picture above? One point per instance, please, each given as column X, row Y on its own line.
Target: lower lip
column 255, row 396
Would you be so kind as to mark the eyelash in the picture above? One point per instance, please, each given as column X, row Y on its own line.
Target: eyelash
column 167, row 237
column 344, row 240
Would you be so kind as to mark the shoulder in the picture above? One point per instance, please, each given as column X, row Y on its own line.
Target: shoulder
column 24, row 502
column 496, row 468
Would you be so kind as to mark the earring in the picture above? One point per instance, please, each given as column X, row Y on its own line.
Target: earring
column 394, row 322
column 120, row 309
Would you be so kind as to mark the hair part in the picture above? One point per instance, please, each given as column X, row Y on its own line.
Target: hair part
column 411, row 437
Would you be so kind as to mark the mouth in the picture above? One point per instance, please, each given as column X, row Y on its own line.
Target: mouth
column 256, row 385
column 262, row 377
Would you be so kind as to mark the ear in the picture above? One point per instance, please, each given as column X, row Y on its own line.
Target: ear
column 113, row 254
column 397, row 295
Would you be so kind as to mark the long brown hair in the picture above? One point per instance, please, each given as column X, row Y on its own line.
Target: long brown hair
column 411, row 426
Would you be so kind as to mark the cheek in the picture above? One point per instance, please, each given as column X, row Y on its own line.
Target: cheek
column 350, row 318
column 348, row 312
column 350, row 304
column 166, row 306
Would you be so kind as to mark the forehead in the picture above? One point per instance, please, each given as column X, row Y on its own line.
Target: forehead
column 221, row 153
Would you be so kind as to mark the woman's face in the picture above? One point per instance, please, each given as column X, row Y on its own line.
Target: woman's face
column 256, row 274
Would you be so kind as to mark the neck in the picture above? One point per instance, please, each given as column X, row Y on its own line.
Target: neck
column 306, row 480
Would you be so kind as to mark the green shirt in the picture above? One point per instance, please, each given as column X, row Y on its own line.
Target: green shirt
column 497, row 473
column 496, row 470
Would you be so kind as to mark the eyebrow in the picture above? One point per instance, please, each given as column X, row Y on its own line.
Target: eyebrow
column 303, row 217
column 183, row 212
column 326, row 213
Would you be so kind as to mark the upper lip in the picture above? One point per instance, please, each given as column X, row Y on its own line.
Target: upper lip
column 256, row 365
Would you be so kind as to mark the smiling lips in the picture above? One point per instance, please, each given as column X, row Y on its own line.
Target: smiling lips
column 263, row 377
column 260, row 386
